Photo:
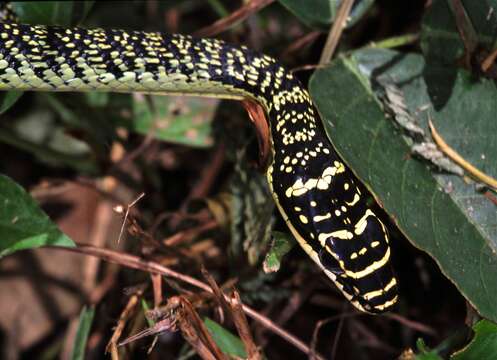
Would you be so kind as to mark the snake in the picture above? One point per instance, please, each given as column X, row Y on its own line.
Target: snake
column 324, row 205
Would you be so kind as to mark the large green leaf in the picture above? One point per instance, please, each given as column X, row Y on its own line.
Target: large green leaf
column 182, row 120
column 438, row 213
column 483, row 345
column 321, row 13
column 23, row 225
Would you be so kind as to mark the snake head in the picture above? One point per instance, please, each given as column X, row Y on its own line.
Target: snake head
column 329, row 214
column 357, row 259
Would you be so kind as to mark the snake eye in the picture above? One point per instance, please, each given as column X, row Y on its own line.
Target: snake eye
column 375, row 234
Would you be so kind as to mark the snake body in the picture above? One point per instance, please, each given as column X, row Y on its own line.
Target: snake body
column 317, row 195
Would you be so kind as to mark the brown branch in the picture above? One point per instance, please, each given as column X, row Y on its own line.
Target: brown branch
column 138, row 263
column 163, row 325
column 233, row 18
column 119, row 209
column 139, row 150
column 464, row 27
column 323, row 322
column 209, row 173
column 300, row 43
column 235, row 309
column 336, row 31
column 218, row 293
column 489, row 61
column 412, row 324
column 337, row 337
column 189, row 234
column 308, row 67
column 130, row 306
column 203, row 185
column 369, row 337
column 242, row 327
column 196, row 333
column 157, row 287
column 490, row 197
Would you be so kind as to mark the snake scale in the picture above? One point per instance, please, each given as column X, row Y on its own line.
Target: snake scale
column 318, row 196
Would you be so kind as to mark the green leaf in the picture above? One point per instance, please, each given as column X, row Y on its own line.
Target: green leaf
column 282, row 244
column 227, row 342
column 425, row 353
column 439, row 214
column 63, row 13
column 85, row 321
column 483, row 345
column 23, row 225
column 321, row 13
column 146, row 308
column 440, row 38
column 8, row 98
column 181, row 120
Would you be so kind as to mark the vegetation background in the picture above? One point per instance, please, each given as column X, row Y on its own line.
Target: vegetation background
column 166, row 201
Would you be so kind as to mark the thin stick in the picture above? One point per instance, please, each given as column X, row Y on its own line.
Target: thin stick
column 300, row 43
column 323, row 322
column 464, row 26
column 489, row 61
column 412, row 324
column 459, row 160
column 336, row 31
column 337, row 335
column 138, row 263
column 204, row 185
column 130, row 306
column 395, row 41
column 241, row 324
column 490, row 197
column 128, row 207
column 235, row 17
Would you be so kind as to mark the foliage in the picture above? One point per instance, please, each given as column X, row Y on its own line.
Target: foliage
column 22, row 224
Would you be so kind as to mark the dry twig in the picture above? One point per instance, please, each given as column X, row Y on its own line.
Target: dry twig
column 336, row 31
column 417, row 326
column 300, row 43
column 459, row 160
column 204, row 185
column 242, row 326
column 234, row 18
column 130, row 306
column 138, row 263
column 119, row 210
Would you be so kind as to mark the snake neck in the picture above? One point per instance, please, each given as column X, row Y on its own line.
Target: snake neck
column 59, row 59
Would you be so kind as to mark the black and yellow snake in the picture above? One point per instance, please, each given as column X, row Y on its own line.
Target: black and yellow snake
column 315, row 192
